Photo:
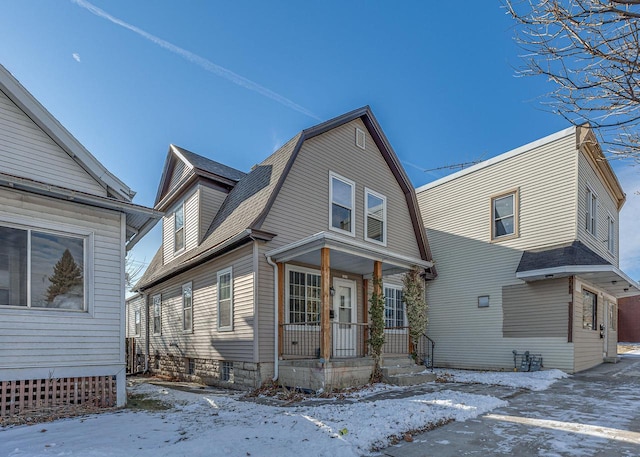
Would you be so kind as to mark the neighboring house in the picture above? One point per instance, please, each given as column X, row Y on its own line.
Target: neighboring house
column 65, row 226
column 527, row 254
column 268, row 273
column 629, row 319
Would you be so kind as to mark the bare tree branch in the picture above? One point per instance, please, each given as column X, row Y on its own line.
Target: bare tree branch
column 590, row 51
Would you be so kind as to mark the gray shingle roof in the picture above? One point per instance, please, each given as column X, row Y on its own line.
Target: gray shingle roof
column 210, row 166
column 575, row 253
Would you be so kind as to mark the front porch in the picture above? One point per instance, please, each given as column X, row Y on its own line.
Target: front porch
column 324, row 284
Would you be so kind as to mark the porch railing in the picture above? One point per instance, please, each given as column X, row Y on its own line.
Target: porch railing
column 302, row 340
column 425, row 351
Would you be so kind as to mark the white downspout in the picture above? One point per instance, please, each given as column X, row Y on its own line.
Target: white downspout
column 275, row 316
column 145, row 300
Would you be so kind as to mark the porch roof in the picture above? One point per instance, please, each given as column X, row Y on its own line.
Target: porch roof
column 347, row 255
column 576, row 259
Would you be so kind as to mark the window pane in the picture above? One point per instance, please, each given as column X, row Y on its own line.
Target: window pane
column 179, row 239
column 374, row 229
column 375, row 206
column 225, row 287
column 179, row 218
column 589, row 307
column 57, row 264
column 341, row 193
column 504, row 226
column 503, row 207
column 13, row 266
column 225, row 313
column 341, row 217
column 187, row 319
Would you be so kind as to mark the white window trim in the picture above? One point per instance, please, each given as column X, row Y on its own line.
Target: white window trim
column 153, row 300
column 287, row 270
column 62, row 229
column 592, row 194
column 611, row 234
column 368, row 192
column 404, row 309
column 185, row 286
column 229, row 271
column 184, row 229
column 333, row 176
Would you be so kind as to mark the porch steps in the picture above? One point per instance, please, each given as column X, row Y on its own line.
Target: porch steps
column 403, row 371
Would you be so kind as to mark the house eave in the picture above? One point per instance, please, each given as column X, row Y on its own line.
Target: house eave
column 608, row 277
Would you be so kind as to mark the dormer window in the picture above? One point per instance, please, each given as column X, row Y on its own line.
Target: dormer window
column 178, row 223
column 342, row 196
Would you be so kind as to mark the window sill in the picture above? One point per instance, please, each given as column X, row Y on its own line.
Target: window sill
column 344, row 232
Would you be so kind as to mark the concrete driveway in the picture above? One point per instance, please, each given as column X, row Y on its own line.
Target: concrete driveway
column 593, row 413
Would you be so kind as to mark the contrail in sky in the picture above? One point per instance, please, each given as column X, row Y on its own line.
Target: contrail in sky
column 200, row 61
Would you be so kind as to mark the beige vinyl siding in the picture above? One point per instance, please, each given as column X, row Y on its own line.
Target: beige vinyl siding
column 180, row 170
column 302, row 206
column 210, row 202
column 47, row 339
column 457, row 215
column 191, row 227
column 265, row 306
column 589, row 345
column 539, row 309
column 587, row 177
column 26, row 151
column 205, row 341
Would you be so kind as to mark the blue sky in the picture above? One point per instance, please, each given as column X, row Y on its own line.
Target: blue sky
column 234, row 80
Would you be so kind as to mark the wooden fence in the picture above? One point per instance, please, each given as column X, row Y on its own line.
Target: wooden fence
column 34, row 395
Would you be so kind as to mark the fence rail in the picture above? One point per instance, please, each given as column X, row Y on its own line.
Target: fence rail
column 302, row 340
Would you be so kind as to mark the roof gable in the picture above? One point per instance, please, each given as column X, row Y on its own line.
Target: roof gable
column 181, row 166
column 61, row 137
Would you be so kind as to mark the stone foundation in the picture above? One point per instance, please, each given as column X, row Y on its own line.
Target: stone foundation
column 315, row 375
column 222, row 373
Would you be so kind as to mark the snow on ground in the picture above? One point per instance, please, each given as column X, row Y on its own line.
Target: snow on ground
column 537, row 380
column 214, row 424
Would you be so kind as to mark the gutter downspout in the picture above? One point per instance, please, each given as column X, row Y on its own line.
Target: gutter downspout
column 275, row 316
column 146, row 333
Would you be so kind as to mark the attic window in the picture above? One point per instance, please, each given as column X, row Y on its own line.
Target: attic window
column 360, row 138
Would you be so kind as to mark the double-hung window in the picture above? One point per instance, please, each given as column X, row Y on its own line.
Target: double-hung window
column 225, row 300
column 157, row 314
column 342, row 196
column 187, row 308
column 589, row 309
column 591, row 202
column 611, row 239
column 375, row 217
column 394, row 313
column 303, row 296
column 42, row 269
column 504, row 214
column 178, row 228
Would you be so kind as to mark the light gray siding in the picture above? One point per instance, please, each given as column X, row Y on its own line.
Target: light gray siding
column 265, row 306
column 206, row 341
column 26, row 151
column 51, row 341
column 133, row 303
column 457, row 215
column 180, row 170
column 302, row 206
column 588, row 178
column 191, row 227
column 538, row 309
column 210, row 202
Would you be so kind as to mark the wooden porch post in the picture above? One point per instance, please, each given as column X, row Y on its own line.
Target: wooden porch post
column 377, row 275
column 281, row 307
column 325, row 323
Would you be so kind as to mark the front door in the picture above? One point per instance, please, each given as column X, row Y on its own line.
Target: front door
column 344, row 312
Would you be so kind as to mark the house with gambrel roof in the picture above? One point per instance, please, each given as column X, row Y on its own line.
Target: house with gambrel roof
column 267, row 274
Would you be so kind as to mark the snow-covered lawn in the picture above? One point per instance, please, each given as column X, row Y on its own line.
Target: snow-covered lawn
column 206, row 424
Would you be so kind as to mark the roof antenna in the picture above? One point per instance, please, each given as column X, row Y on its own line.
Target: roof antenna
column 455, row 166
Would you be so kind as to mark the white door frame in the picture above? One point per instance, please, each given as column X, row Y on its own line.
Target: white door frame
column 344, row 336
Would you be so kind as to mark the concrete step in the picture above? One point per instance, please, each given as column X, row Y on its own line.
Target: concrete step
column 410, row 379
column 398, row 361
column 396, row 370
